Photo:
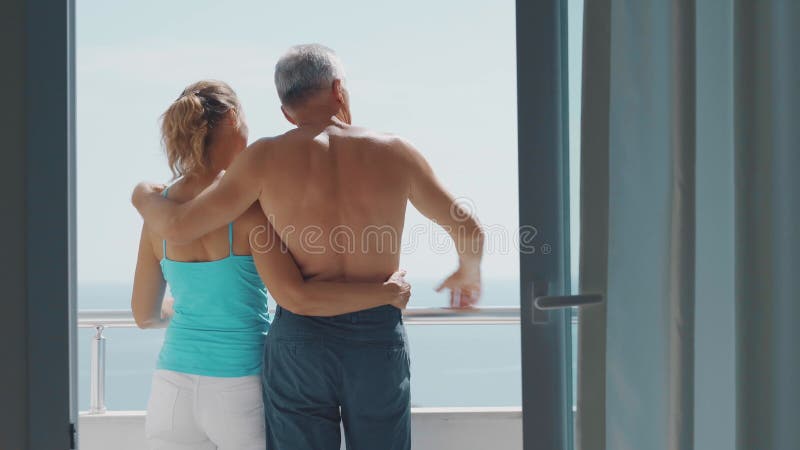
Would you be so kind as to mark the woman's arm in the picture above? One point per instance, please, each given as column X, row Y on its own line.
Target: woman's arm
column 280, row 273
column 148, row 287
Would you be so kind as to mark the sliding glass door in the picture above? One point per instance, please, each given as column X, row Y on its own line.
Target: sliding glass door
column 548, row 95
column 457, row 68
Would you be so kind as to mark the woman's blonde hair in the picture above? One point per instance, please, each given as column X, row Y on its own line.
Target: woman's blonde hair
column 188, row 123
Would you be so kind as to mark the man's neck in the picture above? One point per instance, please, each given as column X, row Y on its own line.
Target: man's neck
column 317, row 112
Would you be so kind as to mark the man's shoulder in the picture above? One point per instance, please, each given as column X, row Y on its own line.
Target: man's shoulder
column 266, row 143
column 380, row 139
column 295, row 136
column 272, row 147
column 267, row 147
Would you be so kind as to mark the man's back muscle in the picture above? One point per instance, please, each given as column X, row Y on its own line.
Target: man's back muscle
column 337, row 196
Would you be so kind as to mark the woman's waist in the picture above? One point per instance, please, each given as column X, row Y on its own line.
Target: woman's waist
column 208, row 360
column 219, row 319
column 213, row 334
column 239, row 296
column 225, row 345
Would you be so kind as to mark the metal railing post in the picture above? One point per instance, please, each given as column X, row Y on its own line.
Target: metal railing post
column 97, row 389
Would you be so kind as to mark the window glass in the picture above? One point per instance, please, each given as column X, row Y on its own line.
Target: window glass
column 441, row 74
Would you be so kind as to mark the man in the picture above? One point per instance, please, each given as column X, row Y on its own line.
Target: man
column 336, row 195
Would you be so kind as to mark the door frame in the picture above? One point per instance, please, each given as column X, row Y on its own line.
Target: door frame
column 48, row 207
column 50, row 262
column 543, row 164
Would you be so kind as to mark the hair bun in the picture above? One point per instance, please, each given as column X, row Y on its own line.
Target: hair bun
column 187, row 124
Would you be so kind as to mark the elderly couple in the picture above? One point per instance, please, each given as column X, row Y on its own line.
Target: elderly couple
column 315, row 215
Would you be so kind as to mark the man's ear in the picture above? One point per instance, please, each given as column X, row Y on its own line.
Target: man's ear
column 288, row 117
column 338, row 91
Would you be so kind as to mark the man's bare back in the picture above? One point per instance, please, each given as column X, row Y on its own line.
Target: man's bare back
column 337, row 197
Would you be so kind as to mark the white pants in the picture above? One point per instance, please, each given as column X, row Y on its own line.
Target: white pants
column 205, row 413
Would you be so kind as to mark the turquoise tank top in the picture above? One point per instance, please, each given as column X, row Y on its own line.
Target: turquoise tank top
column 221, row 316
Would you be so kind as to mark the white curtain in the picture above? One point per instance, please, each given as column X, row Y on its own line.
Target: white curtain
column 684, row 161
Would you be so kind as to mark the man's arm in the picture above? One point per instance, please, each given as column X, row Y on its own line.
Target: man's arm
column 280, row 273
column 431, row 199
column 216, row 206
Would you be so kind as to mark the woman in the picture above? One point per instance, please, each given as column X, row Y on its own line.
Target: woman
column 206, row 391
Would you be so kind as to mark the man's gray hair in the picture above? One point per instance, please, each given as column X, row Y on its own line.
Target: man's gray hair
column 304, row 69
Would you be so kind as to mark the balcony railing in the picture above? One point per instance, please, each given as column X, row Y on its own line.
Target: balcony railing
column 102, row 319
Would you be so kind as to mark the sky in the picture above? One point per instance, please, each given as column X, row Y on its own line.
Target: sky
column 443, row 77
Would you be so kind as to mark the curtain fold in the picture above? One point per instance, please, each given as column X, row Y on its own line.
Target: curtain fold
column 650, row 326
column 715, row 367
column 767, row 159
column 681, row 296
column 641, row 211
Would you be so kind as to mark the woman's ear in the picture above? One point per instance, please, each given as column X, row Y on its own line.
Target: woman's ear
column 232, row 117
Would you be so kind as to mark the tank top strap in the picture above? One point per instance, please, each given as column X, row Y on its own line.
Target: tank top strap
column 164, row 241
column 230, row 239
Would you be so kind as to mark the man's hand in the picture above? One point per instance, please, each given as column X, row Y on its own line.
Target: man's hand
column 167, row 308
column 464, row 285
column 143, row 190
column 398, row 281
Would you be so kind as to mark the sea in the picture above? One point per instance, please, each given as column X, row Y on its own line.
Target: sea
column 451, row 365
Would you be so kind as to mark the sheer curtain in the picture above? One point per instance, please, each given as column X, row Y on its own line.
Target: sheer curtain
column 767, row 143
column 687, row 165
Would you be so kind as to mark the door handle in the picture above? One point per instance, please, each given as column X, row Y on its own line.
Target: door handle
column 548, row 302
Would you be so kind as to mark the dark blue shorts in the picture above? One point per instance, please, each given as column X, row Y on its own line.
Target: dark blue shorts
column 352, row 368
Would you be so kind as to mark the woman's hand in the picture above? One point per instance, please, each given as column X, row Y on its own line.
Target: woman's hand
column 403, row 289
